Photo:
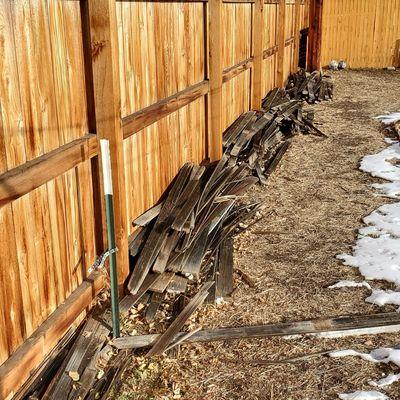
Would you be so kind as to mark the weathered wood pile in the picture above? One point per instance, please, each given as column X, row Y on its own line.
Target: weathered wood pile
column 181, row 242
column 312, row 87
column 199, row 212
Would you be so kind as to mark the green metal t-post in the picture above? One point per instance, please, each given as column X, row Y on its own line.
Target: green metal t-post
column 108, row 195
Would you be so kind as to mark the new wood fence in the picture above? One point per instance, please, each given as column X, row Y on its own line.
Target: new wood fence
column 160, row 80
column 365, row 33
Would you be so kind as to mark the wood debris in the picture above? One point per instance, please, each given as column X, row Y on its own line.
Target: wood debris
column 318, row 326
column 312, row 87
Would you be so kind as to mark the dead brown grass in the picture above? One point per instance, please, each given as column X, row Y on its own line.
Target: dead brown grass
column 315, row 202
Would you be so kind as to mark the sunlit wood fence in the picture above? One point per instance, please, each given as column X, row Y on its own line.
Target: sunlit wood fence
column 364, row 33
column 160, row 80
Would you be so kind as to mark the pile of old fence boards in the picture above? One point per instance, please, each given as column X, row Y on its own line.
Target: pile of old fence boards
column 311, row 87
column 187, row 237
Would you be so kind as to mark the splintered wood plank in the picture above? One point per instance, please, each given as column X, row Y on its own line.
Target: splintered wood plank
column 155, row 302
column 224, row 278
column 162, row 259
column 159, row 233
column 177, row 285
column 88, row 376
column 178, row 306
column 148, row 216
column 316, row 326
column 165, row 339
column 28, row 356
column 162, row 281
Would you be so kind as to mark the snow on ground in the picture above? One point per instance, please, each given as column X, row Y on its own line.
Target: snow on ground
column 389, row 118
column 377, row 251
column 382, row 355
column 382, row 297
column 386, row 381
column 361, row 395
column 383, row 165
column 377, row 254
column 342, row 284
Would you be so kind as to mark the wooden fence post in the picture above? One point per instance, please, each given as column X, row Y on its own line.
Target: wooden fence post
column 281, row 43
column 104, row 49
column 314, row 49
column 258, row 47
column 296, row 35
column 215, row 77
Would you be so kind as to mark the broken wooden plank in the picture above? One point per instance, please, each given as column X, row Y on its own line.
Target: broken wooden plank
column 155, row 301
column 165, row 339
column 162, row 282
column 321, row 325
column 177, row 285
column 148, row 216
column 224, row 276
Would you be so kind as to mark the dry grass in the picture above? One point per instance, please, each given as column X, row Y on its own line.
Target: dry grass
column 315, row 202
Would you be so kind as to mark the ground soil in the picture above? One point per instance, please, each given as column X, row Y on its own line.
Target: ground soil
column 315, row 202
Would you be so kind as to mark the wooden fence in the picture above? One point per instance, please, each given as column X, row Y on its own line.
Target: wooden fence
column 160, row 80
column 364, row 33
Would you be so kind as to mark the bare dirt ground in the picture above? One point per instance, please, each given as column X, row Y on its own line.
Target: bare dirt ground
column 315, row 202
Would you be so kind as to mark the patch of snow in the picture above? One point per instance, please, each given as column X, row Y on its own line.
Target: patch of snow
column 379, row 164
column 383, row 355
column 386, row 381
column 377, row 258
column 363, row 395
column 389, row 118
column 342, row 284
column 382, row 297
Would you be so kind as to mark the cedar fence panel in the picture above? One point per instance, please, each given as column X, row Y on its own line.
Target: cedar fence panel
column 364, row 33
column 161, row 80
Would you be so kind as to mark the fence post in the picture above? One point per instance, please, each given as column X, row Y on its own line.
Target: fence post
column 258, row 47
column 107, row 100
column 215, row 77
column 281, row 42
column 314, row 49
column 296, row 35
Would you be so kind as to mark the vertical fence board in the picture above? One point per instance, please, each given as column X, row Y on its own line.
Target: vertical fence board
column 215, row 71
column 104, row 39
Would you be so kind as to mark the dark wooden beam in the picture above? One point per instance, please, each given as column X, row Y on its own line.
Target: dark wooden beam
column 16, row 370
column 29, row 176
column 137, row 121
column 315, row 34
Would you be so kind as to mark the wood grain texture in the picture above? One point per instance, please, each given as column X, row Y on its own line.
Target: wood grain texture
column 281, row 33
column 104, row 40
column 338, row 324
column 258, row 43
column 17, row 368
column 137, row 121
column 177, row 73
column 369, row 43
column 215, row 77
